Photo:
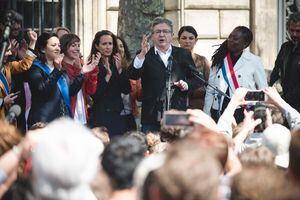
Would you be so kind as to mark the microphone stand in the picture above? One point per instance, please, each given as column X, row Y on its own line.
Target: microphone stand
column 169, row 85
column 207, row 84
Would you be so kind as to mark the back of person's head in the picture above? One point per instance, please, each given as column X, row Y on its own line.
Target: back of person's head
column 67, row 40
column 172, row 133
column 140, row 136
column 65, row 162
column 276, row 114
column 189, row 172
column 9, row 137
column 216, row 143
column 277, row 138
column 120, row 158
column 294, row 151
column 101, row 133
column 154, row 143
column 261, row 156
column 257, row 183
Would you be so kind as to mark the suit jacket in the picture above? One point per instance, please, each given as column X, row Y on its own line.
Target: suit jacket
column 47, row 103
column 153, row 78
column 107, row 99
column 249, row 72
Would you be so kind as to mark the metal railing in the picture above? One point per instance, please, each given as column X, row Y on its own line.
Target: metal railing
column 39, row 15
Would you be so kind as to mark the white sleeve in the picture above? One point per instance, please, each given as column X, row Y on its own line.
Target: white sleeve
column 138, row 63
column 209, row 97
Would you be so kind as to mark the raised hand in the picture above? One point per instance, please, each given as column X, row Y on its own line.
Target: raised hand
column 108, row 70
column 118, row 61
column 57, row 61
column 90, row 67
column 14, row 46
column 145, row 46
column 32, row 37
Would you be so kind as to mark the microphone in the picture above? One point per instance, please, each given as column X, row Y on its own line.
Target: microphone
column 13, row 113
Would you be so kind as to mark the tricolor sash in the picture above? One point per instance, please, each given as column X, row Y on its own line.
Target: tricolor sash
column 61, row 83
column 228, row 74
column 5, row 83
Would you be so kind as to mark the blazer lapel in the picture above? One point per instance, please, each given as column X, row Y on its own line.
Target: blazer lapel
column 240, row 62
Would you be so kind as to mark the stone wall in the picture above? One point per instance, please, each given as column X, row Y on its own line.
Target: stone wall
column 213, row 20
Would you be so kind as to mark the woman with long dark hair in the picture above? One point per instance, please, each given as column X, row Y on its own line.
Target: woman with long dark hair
column 233, row 67
column 112, row 81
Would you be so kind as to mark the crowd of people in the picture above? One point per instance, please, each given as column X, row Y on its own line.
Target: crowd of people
column 77, row 135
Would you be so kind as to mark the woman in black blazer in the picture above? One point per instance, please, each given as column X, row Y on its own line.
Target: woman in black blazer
column 112, row 81
column 50, row 85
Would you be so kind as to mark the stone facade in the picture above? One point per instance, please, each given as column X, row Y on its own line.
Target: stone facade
column 213, row 20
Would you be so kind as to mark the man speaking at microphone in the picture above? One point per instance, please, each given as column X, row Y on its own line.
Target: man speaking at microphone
column 159, row 67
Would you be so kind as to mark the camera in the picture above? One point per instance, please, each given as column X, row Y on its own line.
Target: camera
column 255, row 96
column 176, row 118
column 260, row 113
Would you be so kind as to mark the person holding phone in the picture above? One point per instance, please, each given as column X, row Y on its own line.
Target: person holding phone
column 112, row 81
column 233, row 67
column 49, row 84
column 157, row 67
column 14, row 67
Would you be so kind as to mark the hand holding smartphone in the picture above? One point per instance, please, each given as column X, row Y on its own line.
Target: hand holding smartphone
column 255, row 95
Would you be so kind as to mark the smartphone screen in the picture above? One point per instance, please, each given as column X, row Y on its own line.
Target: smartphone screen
column 255, row 96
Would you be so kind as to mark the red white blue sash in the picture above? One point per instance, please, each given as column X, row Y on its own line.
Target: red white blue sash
column 61, row 83
column 5, row 83
column 229, row 75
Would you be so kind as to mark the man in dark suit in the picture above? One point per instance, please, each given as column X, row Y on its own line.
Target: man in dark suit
column 154, row 66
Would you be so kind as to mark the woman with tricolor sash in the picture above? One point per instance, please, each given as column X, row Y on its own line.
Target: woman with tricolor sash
column 50, row 86
column 233, row 67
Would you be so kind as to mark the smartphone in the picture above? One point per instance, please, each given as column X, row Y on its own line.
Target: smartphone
column 16, row 93
column 176, row 118
column 255, row 96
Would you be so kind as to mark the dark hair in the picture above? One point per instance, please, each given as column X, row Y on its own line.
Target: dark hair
column 96, row 40
column 126, row 49
column 12, row 15
column 295, row 17
column 220, row 53
column 161, row 20
column 41, row 44
column 189, row 29
column 119, row 160
column 140, row 136
column 67, row 40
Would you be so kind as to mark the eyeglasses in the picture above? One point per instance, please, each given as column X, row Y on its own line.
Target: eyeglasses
column 164, row 31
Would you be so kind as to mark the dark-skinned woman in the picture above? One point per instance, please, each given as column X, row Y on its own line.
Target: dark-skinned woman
column 233, row 67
